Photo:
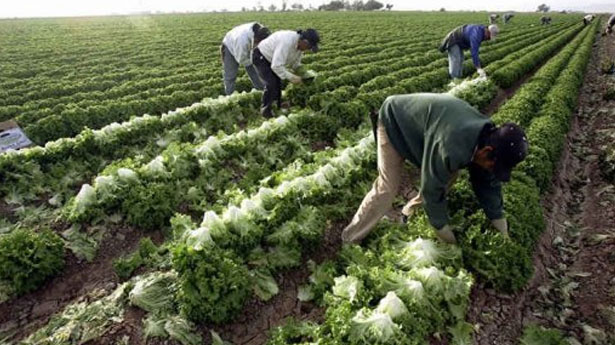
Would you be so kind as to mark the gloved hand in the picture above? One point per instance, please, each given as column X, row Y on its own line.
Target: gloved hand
column 446, row 234
column 502, row 225
column 295, row 79
column 481, row 73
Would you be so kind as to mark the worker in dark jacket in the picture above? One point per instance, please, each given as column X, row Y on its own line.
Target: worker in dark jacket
column 508, row 17
column 544, row 20
column 466, row 37
column 493, row 18
column 441, row 135
column 609, row 24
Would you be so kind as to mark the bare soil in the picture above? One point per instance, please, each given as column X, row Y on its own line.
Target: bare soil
column 574, row 274
column 22, row 315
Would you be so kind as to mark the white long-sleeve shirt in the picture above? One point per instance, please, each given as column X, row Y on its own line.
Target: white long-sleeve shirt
column 239, row 42
column 281, row 50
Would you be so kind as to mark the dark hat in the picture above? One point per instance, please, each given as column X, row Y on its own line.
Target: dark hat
column 312, row 36
column 262, row 33
column 510, row 148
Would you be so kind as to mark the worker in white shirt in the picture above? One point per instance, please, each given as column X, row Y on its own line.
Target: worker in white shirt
column 588, row 19
column 273, row 58
column 236, row 49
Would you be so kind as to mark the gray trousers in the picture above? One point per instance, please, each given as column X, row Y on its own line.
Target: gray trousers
column 231, row 68
column 455, row 61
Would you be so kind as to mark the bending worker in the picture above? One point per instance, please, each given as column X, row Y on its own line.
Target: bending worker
column 588, row 19
column 609, row 24
column 236, row 49
column 493, row 18
column 508, row 17
column 441, row 135
column 273, row 58
column 466, row 37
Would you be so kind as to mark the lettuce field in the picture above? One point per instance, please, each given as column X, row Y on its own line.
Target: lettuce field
column 153, row 210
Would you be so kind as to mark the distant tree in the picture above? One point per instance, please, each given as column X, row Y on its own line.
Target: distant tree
column 284, row 5
column 334, row 5
column 296, row 6
column 389, row 7
column 272, row 8
column 372, row 5
column 442, row 9
column 243, row 9
column 356, row 5
column 543, row 8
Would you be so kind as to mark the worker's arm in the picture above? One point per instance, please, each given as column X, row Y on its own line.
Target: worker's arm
column 476, row 36
column 488, row 191
column 435, row 174
column 278, row 63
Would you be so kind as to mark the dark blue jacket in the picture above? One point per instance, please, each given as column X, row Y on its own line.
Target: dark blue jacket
column 473, row 36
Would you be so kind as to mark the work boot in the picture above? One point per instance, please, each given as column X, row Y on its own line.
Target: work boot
column 266, row 112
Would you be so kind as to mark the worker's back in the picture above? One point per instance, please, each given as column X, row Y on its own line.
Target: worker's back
column 433, row 124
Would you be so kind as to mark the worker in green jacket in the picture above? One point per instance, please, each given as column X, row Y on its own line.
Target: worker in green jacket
column 441, row 135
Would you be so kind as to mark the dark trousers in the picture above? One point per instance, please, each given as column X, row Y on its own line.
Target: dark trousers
column 273, row 83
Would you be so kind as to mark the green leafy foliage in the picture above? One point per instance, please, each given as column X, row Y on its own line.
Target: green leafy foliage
column 536, row 335
column 213, row 284
column 28, row 258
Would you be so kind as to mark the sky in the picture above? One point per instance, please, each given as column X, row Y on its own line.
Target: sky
column 55, row 8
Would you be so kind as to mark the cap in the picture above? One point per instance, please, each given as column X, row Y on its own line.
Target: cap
column 494, row 30
column 510, row 148
column 312, row 36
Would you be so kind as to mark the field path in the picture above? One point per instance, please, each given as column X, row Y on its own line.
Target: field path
column 574, row 269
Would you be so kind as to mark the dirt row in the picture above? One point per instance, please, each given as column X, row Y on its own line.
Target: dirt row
column 572, row 288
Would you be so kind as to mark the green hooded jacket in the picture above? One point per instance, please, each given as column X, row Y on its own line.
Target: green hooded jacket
column 439, row 133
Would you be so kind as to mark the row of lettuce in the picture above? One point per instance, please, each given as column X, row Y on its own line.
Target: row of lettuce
column 401, row 288
column 55, row 172
column 67, row 120
column 139, row 198
column 387, row 267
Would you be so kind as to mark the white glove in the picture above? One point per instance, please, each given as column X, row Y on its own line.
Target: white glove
column 481, row 73
column 295, row 79
column 446, row 234
column 502, row 225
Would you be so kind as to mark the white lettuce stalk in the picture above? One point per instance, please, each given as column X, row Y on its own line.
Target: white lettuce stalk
column 234, row 214
column 251, row 207
column 199, row 238
column 346, row 287
column 431, row 277
column 419, row 253
column 104, row 186
column 126, row 175
column 411, row 289
column 85, row 198
column 374, row 327
column 392, row 305
column 155, row 167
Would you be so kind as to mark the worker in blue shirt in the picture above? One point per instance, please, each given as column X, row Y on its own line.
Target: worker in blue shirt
column 465, row 37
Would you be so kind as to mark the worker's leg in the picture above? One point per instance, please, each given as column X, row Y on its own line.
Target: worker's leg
column 380, row 198
column 271, row 81
column 455, row 61
column 256, row 80
column 417, row 201
column 231, row 67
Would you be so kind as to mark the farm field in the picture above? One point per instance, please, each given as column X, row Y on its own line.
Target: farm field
column 151, row 209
